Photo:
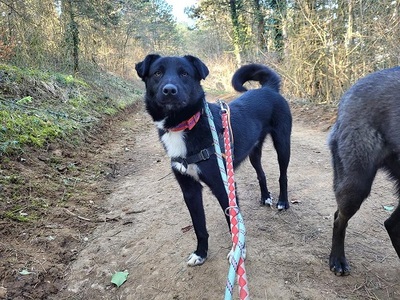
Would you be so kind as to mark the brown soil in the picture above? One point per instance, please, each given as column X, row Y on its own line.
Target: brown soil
column 123, row 210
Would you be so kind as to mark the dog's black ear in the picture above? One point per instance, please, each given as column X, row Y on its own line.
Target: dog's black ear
column 143, row 67
column 199, row 65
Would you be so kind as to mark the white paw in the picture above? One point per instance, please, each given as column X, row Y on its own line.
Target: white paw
column 230, row 254
column 268, row 201
column 195, row 260
column 281, row 207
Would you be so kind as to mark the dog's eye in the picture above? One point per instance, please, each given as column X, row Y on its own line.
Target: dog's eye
column 184, row 74
column 157, row 73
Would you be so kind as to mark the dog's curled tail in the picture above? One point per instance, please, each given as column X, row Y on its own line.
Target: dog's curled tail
column 255, row 72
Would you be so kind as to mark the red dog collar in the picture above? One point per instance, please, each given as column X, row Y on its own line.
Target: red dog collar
column 188, row 124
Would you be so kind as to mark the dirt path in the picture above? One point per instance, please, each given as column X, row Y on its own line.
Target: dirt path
column 287, row 251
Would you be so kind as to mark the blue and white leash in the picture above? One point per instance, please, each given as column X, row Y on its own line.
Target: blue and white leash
column 237, row 258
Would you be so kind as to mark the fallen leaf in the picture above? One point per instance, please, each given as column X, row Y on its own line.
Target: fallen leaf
column 388, row 207
column 187, row 228
column 25, row 272
column 119, row 278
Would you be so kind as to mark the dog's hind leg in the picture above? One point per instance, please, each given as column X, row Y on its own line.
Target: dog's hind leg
column 351, row 188
column 192, row 194
column 392, row 224
column 349, row 198
column 255, row 159
column 281, row 140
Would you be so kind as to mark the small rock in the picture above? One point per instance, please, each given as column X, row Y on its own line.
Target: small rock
column 3, row 292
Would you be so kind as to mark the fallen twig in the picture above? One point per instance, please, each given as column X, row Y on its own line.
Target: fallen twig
column 77, row 216
column 135, row 211
column 107, row 219
column 165, row 176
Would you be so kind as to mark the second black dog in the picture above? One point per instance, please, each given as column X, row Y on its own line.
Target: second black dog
column 364, row 139
column 175, row 100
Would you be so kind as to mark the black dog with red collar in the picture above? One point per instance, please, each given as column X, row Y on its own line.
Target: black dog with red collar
column 173, row 98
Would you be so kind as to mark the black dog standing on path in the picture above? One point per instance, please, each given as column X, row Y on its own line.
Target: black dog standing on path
column 175, row 100
column 365, row 138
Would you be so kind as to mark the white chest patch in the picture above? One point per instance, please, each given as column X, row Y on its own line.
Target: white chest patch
column 175, row 145
column 173, row 141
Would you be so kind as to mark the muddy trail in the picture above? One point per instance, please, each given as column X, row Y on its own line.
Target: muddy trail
column 287, row 251
column 146, row 229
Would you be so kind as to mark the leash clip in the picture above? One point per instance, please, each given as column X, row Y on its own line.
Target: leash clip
column 223, row 105
column 229, row 208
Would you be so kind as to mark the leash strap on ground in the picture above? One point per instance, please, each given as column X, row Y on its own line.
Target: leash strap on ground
column 237, row 225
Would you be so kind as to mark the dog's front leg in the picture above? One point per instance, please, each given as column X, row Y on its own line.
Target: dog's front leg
column 192, row 194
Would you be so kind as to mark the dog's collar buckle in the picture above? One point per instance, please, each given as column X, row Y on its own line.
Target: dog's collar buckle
column 204, row 154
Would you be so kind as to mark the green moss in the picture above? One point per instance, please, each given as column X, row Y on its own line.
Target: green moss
column 16, row 217
column 79, row 102
column 37, row 107
column 17, row 214
column 19, row 129
column 12, row 179
column 69, row 80
column 110, row 111
column 18, row 75
column 25, row 100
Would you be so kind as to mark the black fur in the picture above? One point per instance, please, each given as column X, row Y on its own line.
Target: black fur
column 365, row 138
column 174, row 94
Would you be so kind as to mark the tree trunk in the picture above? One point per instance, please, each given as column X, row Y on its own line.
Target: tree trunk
column 350, row 24
column 349, row 38
column 261, row 39
column 279, row 8
column 236, row 31
column 74, row 32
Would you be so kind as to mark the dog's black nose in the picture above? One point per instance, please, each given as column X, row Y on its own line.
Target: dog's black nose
column 170, row 89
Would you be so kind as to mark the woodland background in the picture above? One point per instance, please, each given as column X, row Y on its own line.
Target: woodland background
column 320, row 47
column 73, row 136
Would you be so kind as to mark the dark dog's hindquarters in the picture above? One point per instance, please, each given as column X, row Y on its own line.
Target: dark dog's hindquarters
column 365, row 138
column 254, row 115
column 252, row 121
